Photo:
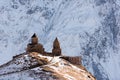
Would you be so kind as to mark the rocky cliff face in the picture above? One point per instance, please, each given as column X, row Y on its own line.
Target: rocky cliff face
column 35, row 66
column 89, row 28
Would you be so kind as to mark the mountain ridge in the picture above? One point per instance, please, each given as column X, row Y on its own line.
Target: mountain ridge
column 46, row 64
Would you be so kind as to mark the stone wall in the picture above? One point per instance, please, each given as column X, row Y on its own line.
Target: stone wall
column 74, row 60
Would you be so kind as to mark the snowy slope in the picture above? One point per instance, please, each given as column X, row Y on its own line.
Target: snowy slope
column 63, row 68
column 54, row 68
column 32, row 74
column 84, row 27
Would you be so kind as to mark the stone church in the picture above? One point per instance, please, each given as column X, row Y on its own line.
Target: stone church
column 34, row 46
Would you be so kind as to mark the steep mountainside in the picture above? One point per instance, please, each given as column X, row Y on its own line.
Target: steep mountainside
column 89, row 28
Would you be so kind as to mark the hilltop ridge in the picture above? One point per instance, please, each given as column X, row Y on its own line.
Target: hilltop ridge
column 42, row 67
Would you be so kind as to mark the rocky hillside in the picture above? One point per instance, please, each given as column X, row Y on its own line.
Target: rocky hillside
column 34, row 66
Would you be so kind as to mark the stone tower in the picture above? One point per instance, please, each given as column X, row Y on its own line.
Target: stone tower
column 34, row 39
column 56, row 51
column 34, row 46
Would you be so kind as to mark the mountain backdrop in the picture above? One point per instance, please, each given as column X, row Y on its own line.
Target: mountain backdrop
column 87, row 28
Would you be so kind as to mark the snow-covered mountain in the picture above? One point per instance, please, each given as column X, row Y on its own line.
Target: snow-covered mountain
column 89, row 28
column 35, row 66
